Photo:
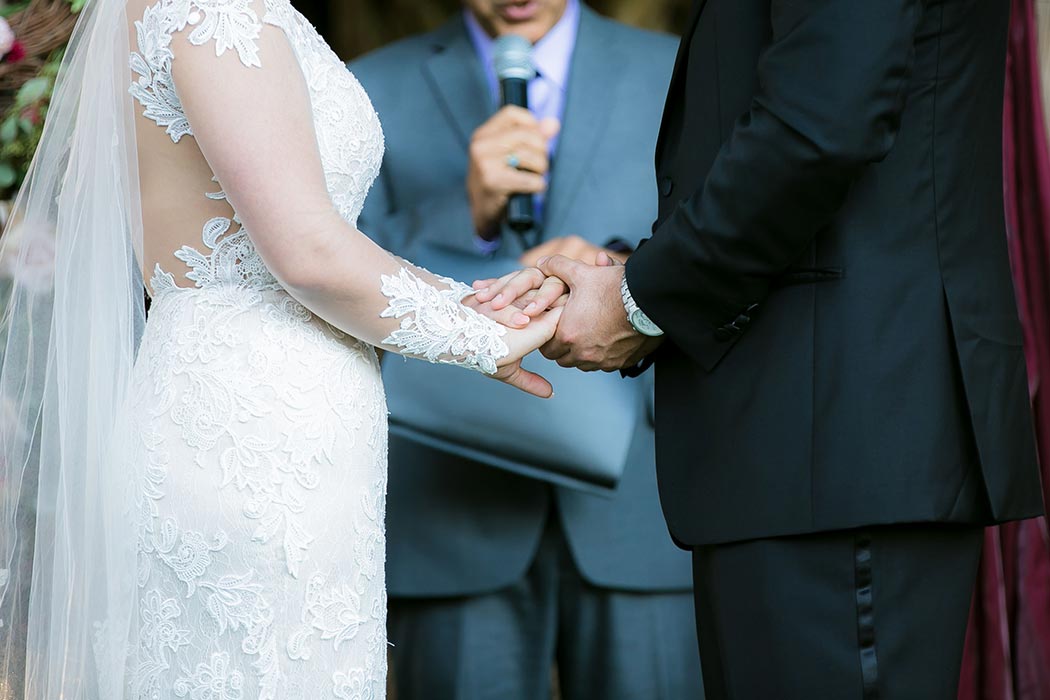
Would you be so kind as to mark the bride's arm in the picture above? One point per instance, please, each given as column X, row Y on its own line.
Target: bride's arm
column 254, row 125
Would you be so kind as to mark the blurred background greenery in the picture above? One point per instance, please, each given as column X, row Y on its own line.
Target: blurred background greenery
column 354, row 27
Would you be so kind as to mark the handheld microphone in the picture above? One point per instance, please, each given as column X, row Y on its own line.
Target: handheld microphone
column 512, row 60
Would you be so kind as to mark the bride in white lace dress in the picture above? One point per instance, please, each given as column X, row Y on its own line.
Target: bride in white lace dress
column 257, row 415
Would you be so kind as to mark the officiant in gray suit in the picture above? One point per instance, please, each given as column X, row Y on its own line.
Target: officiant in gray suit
column 495, row 577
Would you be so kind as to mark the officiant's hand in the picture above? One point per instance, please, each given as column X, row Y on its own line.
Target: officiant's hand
column 575, row 247
column 508, row 155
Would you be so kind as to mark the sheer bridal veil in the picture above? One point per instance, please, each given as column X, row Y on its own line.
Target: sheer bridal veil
column 72, row 314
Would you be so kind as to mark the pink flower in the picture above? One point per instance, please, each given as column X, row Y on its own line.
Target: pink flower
column 31, row 114
column 7, row 38
column 17, row 53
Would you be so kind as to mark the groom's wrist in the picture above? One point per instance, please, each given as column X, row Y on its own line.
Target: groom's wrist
column 638, row 319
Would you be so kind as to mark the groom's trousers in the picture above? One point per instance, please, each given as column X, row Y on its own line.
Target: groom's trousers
column 877, row 614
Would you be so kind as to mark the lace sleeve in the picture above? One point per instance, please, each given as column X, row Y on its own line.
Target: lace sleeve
column 255, row 123
column 229, row 24
column 435, row 326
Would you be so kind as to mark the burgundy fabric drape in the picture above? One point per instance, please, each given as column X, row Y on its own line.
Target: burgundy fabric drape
column 1008, row 644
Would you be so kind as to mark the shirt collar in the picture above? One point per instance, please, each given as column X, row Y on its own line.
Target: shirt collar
column 552, row 55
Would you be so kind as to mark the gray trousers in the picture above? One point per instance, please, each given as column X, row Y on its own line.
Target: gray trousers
column 607, row 645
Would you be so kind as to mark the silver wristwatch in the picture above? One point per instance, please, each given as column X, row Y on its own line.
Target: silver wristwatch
column 642, row 323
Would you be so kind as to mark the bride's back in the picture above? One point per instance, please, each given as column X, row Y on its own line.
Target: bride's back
column 174, row 177
column 233, row 50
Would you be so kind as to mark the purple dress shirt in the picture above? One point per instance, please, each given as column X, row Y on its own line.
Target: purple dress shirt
column 552, row 58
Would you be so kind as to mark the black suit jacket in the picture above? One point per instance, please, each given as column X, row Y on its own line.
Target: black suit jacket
column 830, row 267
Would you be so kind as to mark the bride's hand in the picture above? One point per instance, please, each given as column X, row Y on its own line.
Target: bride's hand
column 521, row 342
column 529, row 290
column 516, row 298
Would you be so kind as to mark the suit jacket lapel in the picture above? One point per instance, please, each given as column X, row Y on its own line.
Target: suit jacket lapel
column 681, row 60
column 594, row 78
column 458, row 80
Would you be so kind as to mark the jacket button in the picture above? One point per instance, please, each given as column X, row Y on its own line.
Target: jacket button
column 736, row 327
column 666, row 186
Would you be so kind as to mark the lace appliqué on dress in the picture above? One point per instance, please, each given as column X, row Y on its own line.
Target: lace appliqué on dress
column 350, row 138
column 233, row 262
column 256, row 408
column 437, row 327
column 232, row 24
column 214, row 680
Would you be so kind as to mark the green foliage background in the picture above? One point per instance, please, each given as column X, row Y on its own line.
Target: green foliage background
column 23, row 123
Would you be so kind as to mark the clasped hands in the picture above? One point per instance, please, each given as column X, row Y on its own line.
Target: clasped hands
column 571, row 311
column 592, row 331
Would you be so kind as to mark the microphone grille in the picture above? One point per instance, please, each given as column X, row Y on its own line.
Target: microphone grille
column 512, row 58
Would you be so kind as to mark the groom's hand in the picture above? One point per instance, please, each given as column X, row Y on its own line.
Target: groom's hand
column 593, row 333
column 574, row 247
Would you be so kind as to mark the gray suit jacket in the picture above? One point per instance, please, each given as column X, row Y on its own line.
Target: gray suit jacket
column 457, row 527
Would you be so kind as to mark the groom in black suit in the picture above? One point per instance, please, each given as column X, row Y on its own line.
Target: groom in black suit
column 841, row 392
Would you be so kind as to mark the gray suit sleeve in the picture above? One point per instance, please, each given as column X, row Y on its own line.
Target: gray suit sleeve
column 435, row 233
column 401, row 226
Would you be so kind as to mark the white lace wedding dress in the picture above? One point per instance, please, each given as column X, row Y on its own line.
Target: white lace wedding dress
column 261, row 427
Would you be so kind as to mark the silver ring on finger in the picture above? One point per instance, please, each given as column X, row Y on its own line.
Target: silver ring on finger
column 513, row 161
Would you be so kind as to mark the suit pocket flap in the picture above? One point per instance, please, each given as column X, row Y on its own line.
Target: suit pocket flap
column 808, row 275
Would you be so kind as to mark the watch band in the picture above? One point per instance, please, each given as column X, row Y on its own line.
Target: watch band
column 638, row 318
